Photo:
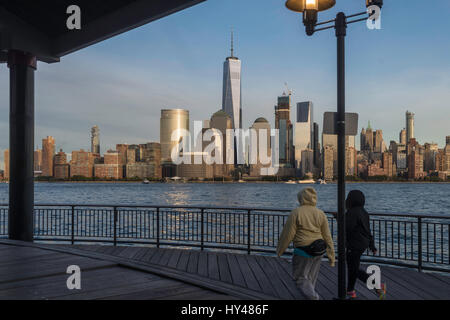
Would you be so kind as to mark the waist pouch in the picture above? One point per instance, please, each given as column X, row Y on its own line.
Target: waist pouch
column 317, row 248
column 299, row 252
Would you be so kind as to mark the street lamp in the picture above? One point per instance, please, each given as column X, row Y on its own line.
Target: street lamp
column 310, row 9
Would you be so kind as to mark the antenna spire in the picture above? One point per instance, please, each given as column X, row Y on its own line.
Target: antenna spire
column 232, row 43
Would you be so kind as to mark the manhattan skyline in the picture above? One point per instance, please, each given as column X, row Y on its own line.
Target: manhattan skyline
column 123, row 89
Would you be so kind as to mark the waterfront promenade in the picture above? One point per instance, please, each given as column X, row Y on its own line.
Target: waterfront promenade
column 38, row 271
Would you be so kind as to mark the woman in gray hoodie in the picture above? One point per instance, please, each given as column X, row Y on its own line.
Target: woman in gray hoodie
column 306, row 225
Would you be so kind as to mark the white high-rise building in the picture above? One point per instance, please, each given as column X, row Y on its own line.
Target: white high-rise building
column 231, row 101
column 304, row 130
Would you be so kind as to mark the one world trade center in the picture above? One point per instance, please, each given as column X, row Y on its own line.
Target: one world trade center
column 231, row 101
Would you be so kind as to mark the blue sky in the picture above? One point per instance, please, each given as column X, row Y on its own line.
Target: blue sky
column 122, row 84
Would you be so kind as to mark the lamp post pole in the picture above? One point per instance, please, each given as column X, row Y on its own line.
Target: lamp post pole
column 341, row 31
column 310, row 8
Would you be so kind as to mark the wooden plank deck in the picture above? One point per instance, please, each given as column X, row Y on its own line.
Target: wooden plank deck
column 188, row 274
column 32, row 273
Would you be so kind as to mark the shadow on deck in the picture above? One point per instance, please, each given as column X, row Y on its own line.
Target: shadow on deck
column 37, row 271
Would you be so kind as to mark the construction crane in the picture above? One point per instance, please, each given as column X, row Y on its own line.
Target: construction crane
column 288, row 90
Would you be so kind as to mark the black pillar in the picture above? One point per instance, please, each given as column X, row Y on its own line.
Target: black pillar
column 21, row 143
column 341, row 29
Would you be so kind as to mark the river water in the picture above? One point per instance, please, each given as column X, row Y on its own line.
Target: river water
column 410, row 198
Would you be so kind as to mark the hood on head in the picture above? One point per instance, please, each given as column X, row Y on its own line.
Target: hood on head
column 307, row 197
column 355, row 198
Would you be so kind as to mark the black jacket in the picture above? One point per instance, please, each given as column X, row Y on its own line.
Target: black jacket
column 359, row 236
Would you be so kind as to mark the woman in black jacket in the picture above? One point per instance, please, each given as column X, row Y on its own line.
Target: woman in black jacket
column 359, row 239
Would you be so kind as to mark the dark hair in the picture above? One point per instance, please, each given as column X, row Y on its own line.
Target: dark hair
column 354, row 199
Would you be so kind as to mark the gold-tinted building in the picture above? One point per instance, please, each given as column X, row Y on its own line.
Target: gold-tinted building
column 171, row 120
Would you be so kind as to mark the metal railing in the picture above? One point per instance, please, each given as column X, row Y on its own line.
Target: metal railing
column 415, row 241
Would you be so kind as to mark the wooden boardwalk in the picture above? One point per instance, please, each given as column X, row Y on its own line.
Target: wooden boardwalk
column 35, row 271
column 32, row 273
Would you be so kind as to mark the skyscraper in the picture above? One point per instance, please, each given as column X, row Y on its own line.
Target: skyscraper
column 37, row 160
column 260, row 160
column 403, row 136
column 429, row 157
column 415, row 163
column 330, row 152
column 378, row 145
column 409, row 126
column 122, row 149
column 48, row 151
column 447, row 155
column 231, row 98
column 95, row 140
column 284, row 125
column 171, row 120
column 316, row 144
column 367, row 139
column 307, row 162
column 329, row 159
column 304, row 130
column 222, row 122
column 61, row 166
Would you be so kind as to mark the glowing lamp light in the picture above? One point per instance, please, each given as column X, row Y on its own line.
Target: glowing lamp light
column 310, row 8
column 317, row 5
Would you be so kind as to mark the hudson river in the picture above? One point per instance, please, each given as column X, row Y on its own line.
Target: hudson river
column 380, row 197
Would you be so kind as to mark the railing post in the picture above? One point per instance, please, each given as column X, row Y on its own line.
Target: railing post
column 202, row 229
column 248, row 232
column 115, row 226
column 157, row 227
column 73, row 225
column 419, row 221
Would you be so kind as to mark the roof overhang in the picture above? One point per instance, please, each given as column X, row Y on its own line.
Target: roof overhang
column 39, row 27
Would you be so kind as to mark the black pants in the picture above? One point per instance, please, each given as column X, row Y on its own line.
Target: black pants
column 353, row 262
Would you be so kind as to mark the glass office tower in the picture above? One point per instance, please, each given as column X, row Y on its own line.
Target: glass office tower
column 231, row 98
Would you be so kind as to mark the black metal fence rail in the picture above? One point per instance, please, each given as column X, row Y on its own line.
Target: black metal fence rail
column 416, row 241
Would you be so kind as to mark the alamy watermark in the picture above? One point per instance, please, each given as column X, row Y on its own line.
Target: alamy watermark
column 73, row 22
column 233, row 147
column 374, row 20
column 374, row 280
column 74, row 280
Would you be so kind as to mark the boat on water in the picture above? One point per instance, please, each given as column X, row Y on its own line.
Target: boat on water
column 145, row 181
column 306, row 182
column 320, row 181
column 175, row 180
column 291, row 182
column 241, row 181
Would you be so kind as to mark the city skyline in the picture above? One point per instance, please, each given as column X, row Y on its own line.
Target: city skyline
column 142, row 87
column 373, row 147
